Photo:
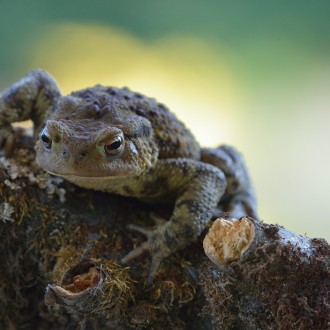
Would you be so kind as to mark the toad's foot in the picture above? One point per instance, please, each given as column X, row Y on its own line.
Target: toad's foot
column 34, row 97
column 198, row 188
column 160, row 244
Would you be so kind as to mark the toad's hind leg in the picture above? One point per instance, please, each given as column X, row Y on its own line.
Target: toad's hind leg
column 239, row 199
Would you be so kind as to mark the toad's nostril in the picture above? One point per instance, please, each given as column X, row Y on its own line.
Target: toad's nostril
column 82, row 155
column 65, row 154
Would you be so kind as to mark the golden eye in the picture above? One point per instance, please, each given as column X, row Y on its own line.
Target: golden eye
column 112, row 146
column 46, row 140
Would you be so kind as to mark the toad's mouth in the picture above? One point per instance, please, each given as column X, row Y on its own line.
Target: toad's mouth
column 75, row 176
column 88, row 170
column 94, row 171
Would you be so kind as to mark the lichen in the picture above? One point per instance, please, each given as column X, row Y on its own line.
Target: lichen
column 6, row 212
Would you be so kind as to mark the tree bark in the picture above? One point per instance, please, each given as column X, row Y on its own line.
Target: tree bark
column 265, row 277
column 69, row 241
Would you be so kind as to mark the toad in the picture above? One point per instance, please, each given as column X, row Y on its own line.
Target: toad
column 118, row 141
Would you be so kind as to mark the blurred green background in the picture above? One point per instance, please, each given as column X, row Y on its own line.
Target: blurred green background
column 254, row 74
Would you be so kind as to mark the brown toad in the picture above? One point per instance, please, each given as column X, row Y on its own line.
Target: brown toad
column 118, row 141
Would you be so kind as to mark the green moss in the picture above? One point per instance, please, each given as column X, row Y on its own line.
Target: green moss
column 46, row 240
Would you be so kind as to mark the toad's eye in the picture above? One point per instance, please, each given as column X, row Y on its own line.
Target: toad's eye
column 46, row 140
column 112, row 146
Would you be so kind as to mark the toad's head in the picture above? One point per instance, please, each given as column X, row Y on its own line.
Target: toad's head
column 94, row 135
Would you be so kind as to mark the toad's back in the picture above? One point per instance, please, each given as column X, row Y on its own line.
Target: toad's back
column 172, row 137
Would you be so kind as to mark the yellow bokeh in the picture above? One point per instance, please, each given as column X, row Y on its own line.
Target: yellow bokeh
column 185, row 73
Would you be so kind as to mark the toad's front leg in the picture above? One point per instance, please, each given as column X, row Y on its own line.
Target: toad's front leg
column 33, row 97
column 198, row 187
